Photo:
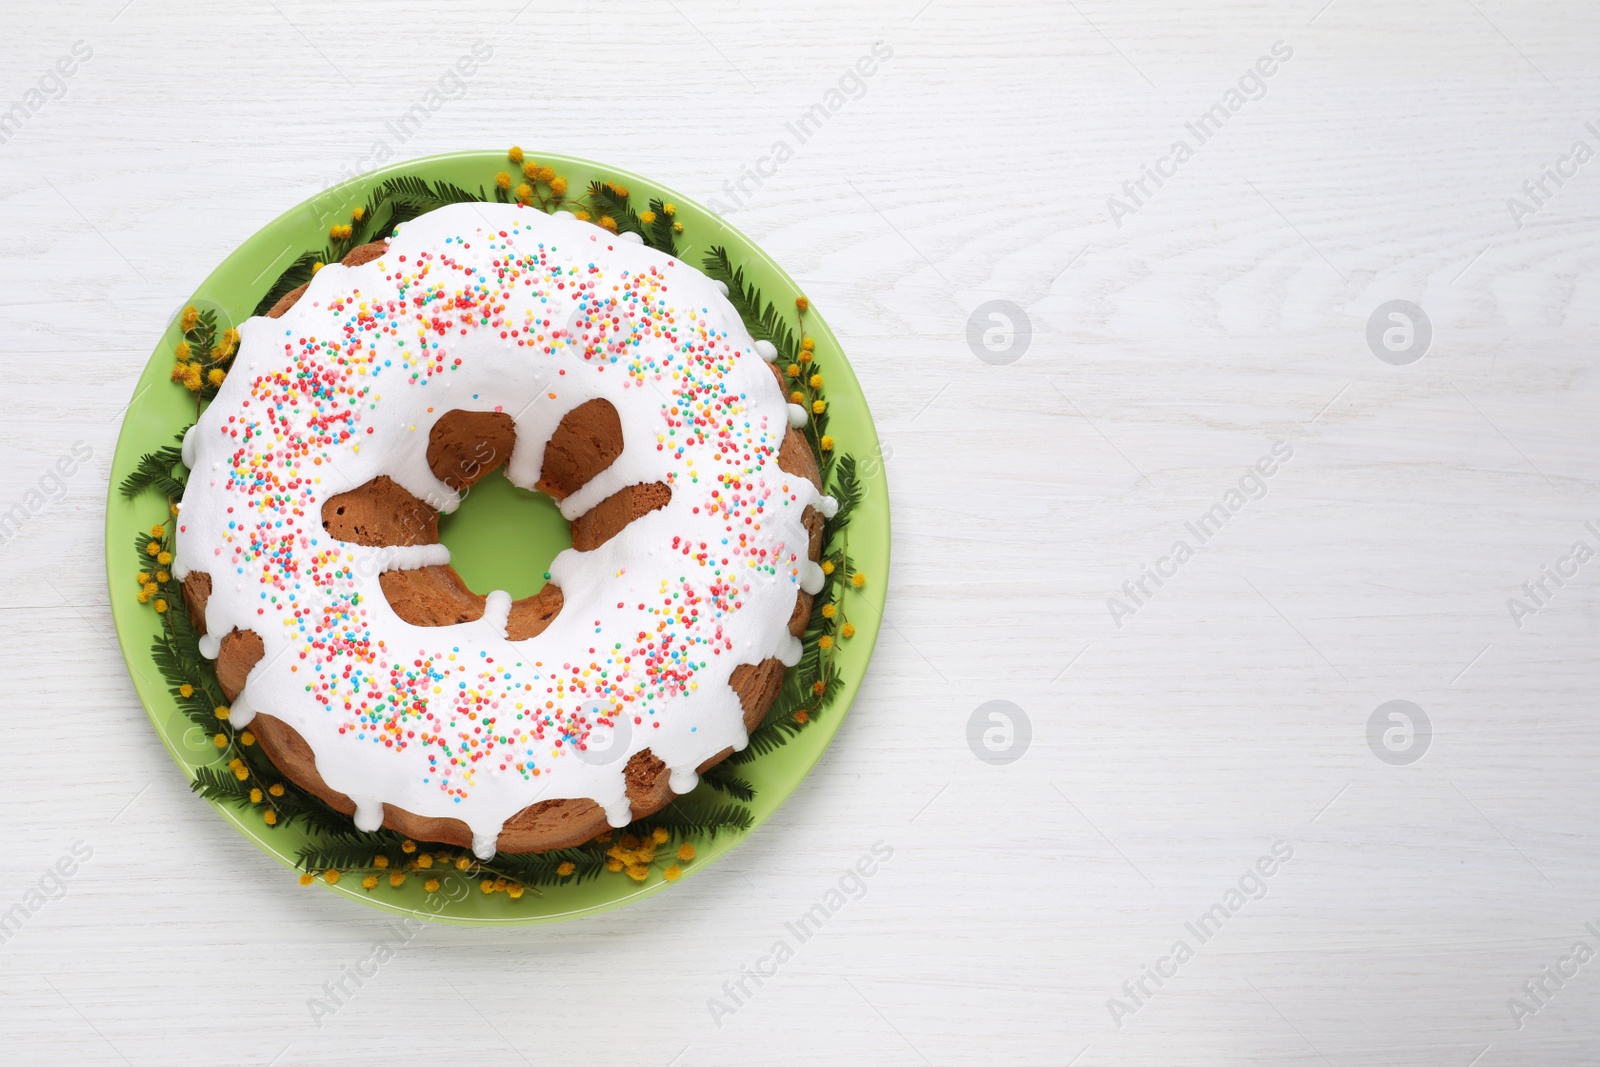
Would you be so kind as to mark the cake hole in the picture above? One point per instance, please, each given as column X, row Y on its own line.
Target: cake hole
column 503, row 537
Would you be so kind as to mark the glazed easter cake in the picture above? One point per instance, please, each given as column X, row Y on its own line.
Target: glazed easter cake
column 607, row 374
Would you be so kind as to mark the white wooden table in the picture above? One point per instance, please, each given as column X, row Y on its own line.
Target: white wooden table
column 1176, row 337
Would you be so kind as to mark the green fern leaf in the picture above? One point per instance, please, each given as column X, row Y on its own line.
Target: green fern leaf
column 722, row 779
column 155, row 470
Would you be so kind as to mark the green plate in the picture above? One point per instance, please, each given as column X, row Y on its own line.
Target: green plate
column 160, row 408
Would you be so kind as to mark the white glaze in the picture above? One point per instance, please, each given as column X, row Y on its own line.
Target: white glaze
column 277, row 572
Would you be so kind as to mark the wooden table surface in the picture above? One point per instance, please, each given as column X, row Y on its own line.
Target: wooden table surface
column 1181, row 322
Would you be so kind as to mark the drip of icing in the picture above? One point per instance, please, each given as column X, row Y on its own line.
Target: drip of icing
column 500, row 307
column 240, row 710
column 409, row 557
column 722, row 287
column 829, row 507
column 369, row 816
column 811, row 577
column 632, row 238
column 767, row 351
column 683, row 781
column 497, row 611
column 791, row 651
column 446, row 499
column 620, row 813
column 187, row 451
column 797, row 416
column 484, row 846
column 210, row 645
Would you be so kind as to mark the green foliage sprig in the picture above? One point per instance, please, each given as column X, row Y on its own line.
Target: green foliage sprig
column 409, row 189
column 294, row 276
column 723, row 780
column 847, row 490
column 612, row 203
column 155, row 470
column 762, row 318
column 545, row 868
column 663, row 228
